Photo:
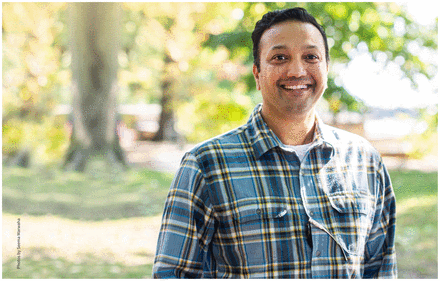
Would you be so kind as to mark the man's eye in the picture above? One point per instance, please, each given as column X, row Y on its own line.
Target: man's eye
column 279, row 57
column 311, row 57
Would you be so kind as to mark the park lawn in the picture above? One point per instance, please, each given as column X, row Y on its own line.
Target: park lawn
column 99, row 196
column 41, row 266
column 417, row 223
column 95, row 195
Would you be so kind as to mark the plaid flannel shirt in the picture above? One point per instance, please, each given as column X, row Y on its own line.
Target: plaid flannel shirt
column 242, row 207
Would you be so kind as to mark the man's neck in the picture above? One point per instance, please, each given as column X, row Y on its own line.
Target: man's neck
column 292, row 129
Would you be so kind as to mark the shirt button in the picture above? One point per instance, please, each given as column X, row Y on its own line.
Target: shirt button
column 258, row 211
column 311, row 213
column 318, row 253
column 351, row 247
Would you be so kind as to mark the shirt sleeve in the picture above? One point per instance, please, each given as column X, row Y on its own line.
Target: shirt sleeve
column 380, row 254
column 187, row 225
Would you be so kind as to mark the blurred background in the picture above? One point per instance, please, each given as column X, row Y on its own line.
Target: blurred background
column 101, row 100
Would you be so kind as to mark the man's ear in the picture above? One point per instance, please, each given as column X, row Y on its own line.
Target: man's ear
column 256, row 76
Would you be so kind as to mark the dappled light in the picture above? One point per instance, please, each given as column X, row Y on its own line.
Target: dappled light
column 129, row 242
column 179, row 74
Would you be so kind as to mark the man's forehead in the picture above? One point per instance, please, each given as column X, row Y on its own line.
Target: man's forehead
column 275, row 37
column 273, row 29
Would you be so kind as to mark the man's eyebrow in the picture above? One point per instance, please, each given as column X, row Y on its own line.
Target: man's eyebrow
column 311, row 47
column 282, row 46
column 277, row 47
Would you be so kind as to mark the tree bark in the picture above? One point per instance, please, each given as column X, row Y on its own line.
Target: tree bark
column 95, row 44
column 166, row 130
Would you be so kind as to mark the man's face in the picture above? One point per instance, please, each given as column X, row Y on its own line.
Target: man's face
column 293, row 68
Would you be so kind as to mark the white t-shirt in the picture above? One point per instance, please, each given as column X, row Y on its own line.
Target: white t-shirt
column 300, row 150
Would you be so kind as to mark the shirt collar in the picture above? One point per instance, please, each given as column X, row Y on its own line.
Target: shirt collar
column 264, row 139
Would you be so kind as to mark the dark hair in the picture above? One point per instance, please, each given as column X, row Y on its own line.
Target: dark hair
column 272, row 18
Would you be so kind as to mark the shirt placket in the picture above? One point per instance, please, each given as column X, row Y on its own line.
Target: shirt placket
column 310, row 193
column 299, row 247
column 306, row 186
column 303, row 183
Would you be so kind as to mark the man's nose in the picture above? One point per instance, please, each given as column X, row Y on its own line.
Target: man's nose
column 296, row 68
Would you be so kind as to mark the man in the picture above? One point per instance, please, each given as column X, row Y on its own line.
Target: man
column 284, row 196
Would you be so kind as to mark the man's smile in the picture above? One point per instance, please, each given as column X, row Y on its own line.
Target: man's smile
column 295, row 87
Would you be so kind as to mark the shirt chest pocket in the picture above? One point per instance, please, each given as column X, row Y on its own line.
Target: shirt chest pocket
column 248, row 222
column 350, row 220
column 253, row 212
column 244, row 231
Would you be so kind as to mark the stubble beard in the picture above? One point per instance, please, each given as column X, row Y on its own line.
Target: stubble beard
column 294, row 107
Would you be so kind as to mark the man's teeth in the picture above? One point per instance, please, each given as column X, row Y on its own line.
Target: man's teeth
column 295, row 87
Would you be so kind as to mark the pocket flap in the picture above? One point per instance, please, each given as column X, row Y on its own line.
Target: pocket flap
column 348, row 203
column 255, row 212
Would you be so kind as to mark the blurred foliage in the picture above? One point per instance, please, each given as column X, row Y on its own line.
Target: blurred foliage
column 167, row 39
column 36, row 77
column 47, row 139
column 209, row 48
column 383, row 29
column 217, row 56
column 424, row 138
column 220, row 114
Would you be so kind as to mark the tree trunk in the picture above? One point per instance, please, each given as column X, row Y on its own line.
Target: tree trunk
column 166, row 130
column 95, row 44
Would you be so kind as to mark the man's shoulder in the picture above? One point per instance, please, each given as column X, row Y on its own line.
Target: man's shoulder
column 345, row 139
column 231, row 140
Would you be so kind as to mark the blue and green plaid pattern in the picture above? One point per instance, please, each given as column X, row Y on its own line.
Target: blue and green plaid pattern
column 242, row 207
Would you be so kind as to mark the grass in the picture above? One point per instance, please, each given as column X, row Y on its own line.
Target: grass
column 90, row 196
column 414, row 184
column 40, row 265
column 417, row 223
column 98, row 195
